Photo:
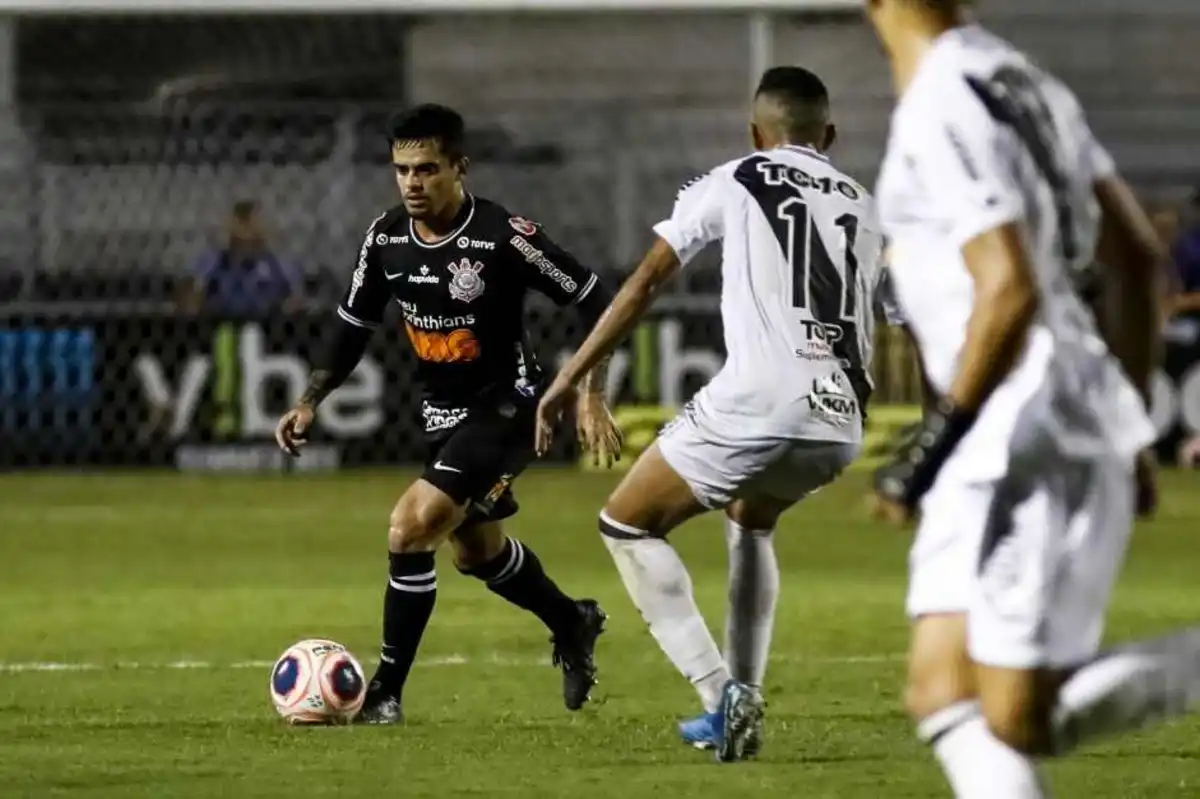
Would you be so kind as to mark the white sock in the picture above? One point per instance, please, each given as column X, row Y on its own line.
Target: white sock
column 1130, row 687
column 975, row 762
column 753, row 591
column 660, row 587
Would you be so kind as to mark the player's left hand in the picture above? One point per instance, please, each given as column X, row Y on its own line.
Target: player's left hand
column 911, row 470
column 598, row 432
column 549, row 411
column 884, row 510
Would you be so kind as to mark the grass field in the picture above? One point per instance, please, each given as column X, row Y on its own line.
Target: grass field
column 128, row 577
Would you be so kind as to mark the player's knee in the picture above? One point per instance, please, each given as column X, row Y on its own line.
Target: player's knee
column 419, row 525
column 476, row 545
column 1022, row 722
column 933, row 686
column 1019, row 727
column 615, row 528
column 927, row 695
column 756, row 514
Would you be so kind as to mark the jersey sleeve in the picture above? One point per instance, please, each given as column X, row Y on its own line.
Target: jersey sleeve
column 548, row 268
column 367, row 295
column 970, row 160
column 697, row 218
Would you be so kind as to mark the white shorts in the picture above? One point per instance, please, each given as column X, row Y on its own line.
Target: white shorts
column 1031, row 558
column 720, row 463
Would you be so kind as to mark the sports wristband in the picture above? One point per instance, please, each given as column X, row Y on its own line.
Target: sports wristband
column 915, row 465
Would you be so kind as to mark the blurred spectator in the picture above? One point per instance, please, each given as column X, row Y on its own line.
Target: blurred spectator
column 243, row 277
column 1184, row 238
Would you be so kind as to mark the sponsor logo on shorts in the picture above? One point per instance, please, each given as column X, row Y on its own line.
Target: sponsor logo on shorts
column 441, row 418
column 499, row 488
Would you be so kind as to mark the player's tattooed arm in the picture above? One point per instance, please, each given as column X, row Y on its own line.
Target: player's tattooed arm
column 318, row 388
column 345, row 350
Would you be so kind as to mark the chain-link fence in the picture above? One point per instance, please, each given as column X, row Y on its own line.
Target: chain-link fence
column 127, row 142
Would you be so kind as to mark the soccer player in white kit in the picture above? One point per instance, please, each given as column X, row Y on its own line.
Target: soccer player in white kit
column 784, row 415
column 994, row 196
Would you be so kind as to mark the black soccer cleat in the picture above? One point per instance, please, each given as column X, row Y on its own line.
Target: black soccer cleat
column 574, row 651
column 380, row 707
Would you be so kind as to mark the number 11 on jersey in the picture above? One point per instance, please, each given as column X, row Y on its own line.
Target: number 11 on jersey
column 814, row 274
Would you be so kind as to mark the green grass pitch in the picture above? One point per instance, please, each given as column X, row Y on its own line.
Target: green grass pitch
column 132, row 573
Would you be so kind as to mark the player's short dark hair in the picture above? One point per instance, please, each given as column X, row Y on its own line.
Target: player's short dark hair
column 802, row 97
column 244, row 210
column 430, row 122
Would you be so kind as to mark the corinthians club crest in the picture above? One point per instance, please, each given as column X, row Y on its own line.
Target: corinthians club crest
column 465, row 282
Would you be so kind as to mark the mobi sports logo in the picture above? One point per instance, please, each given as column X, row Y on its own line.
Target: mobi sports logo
column 547, row 267
column 241, row 376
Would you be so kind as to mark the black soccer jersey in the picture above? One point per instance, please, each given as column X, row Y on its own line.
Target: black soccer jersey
column 462, row 298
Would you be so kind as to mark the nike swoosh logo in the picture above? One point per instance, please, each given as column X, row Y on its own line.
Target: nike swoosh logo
column 390, row 276
column 441, row 467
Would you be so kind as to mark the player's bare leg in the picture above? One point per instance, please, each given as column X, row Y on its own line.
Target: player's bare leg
column 942, row 697
column 987, row 723
column 651, row 501
column 512, row 570
column 423, row 518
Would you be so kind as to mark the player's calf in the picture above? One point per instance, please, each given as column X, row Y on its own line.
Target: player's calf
column 423, row 518
column 512, row 570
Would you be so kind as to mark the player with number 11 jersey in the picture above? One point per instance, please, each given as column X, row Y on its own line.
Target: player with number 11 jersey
column 782, row 418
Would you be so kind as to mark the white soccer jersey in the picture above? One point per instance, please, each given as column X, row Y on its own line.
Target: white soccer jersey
column 982, row 138
column 800, row 260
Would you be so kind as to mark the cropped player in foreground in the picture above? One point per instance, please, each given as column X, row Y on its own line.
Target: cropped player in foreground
column 994, row 194
column 782, row 418
column 459, row 267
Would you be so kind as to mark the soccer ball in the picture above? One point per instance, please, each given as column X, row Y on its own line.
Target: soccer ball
column 317, row 682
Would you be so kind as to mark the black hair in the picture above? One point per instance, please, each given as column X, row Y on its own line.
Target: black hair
column 801, row 96
column 430, row 121
column 244, row 210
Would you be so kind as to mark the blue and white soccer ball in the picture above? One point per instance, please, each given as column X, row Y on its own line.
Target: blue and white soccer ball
column 317, row 682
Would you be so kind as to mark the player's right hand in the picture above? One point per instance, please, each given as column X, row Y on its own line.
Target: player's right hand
column 292, row 431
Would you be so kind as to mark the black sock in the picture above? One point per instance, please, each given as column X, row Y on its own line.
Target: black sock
column 517, row 575
column 407, row 606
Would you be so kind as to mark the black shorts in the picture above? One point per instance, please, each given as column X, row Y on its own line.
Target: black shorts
column 477, row 461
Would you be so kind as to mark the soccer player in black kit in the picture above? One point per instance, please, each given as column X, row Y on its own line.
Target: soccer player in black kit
column 459, row 266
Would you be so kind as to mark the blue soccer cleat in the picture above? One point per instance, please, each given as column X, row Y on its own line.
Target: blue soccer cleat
column 702, row 732
column 742, row 709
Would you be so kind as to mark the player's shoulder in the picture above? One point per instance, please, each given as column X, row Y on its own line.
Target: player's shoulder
column 388, row 221
column 943, row 84
column 500, row 220
column 702, row 181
